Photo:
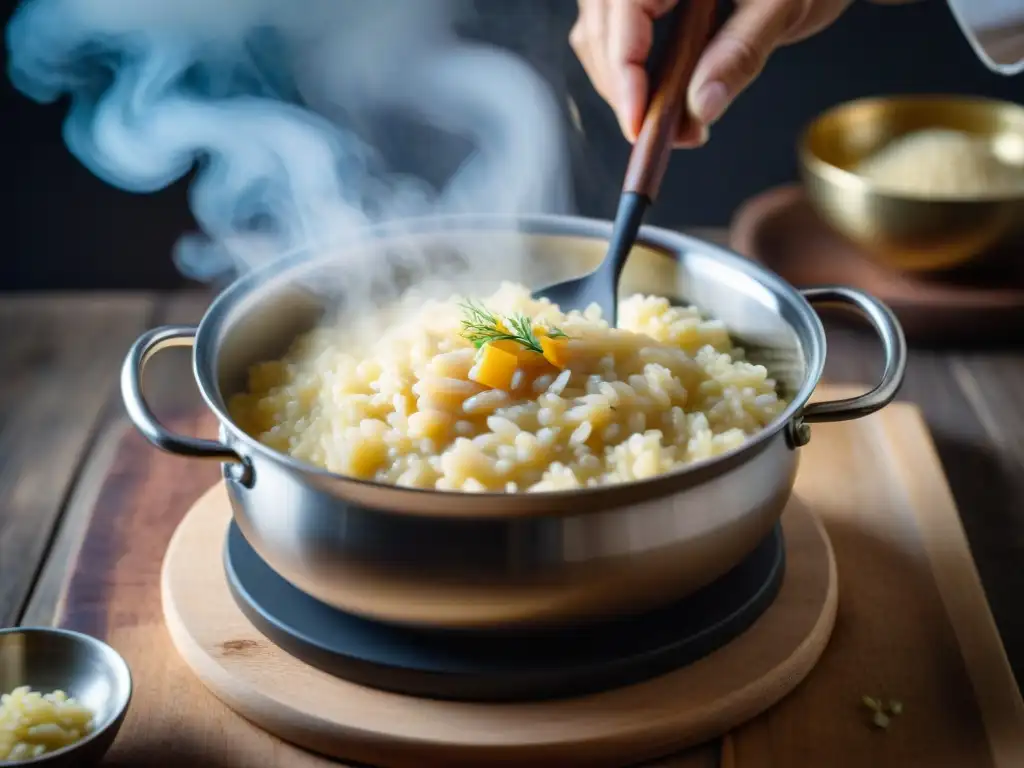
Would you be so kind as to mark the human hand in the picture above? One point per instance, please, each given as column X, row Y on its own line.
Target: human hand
column 612, row 39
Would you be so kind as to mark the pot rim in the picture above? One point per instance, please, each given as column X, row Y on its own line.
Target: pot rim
column 498, row 503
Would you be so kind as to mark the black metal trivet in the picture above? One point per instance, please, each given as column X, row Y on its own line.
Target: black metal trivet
column 486, row 666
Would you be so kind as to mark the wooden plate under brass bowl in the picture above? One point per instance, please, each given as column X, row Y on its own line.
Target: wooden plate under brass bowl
column 780, row 229
column 903, row 229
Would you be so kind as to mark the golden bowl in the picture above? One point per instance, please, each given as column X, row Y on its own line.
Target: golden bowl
column 905, row 230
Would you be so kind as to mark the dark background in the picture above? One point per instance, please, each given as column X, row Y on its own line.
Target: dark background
column 70, row 230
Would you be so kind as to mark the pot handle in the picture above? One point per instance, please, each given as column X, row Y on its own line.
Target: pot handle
column 147, row 345
column 894, row 347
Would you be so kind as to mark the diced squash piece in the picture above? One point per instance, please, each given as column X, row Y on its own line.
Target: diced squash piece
column 507, row 345
column 495, row 367
column 556, row 351
column 527, row 357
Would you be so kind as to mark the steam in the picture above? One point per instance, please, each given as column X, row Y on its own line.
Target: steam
column 274, row 105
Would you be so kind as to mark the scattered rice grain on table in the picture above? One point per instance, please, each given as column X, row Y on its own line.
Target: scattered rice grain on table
column 409, row 398
column 33, row 724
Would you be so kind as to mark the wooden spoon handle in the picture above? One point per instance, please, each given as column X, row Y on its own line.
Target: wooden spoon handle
column 668, row 107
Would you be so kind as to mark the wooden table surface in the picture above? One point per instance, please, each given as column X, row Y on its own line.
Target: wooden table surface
column 61, row 418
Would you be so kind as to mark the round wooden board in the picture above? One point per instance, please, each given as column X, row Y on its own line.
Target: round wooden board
column 325, row 714
column 779, row 229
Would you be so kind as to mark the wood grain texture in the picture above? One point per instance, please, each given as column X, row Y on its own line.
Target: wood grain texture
column 172, row 391
column 909, row 598
column 894, row 637
column 985, row 457
column 614, row 728
column 975, row 416
column 48, row 590
column 957, row 581
column 60, row 358
column 970, row 400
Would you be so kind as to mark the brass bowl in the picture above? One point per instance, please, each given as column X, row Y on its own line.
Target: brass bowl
column 900, row 230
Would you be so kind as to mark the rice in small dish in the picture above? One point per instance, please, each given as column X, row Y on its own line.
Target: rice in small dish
column 509, row 394
column 33, row 724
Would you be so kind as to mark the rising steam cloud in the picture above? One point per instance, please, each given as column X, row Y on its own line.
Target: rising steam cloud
column 271, row 103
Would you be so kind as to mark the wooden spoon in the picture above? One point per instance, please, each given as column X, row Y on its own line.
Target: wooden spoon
column 647, row 163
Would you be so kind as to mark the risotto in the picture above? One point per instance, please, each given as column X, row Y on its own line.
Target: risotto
column 33, row 724
column 510, row 394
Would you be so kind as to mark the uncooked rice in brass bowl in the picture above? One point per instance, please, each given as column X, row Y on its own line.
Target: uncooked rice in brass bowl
column 509, row 394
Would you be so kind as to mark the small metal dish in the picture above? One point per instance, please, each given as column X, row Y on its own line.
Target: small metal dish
column 903, row 231
column 83, row 667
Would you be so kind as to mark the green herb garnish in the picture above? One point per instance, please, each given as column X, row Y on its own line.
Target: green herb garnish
column 481, row 326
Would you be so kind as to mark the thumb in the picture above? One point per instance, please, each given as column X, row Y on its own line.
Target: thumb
column 737, row 54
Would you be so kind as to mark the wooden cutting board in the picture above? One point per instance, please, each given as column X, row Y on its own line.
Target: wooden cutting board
column 662, row 715
column 912, row 622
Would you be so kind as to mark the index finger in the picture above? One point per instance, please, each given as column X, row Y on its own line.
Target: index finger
column 630, row 36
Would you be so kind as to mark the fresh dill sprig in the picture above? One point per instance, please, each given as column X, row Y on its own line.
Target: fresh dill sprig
column 481, row 326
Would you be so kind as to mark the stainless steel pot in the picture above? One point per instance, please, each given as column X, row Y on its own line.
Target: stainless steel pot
column 451, row 559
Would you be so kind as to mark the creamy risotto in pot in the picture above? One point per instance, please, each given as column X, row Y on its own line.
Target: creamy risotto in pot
column 507, row 393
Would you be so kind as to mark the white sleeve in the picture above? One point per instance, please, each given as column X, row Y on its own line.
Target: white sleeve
column 995, row 29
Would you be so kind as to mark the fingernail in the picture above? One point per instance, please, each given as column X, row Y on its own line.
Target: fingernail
column 710, row 102
column 627, row 129
column 628, row 116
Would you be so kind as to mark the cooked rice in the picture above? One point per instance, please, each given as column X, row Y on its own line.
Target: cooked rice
column 33, row 724
column 664, row 389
